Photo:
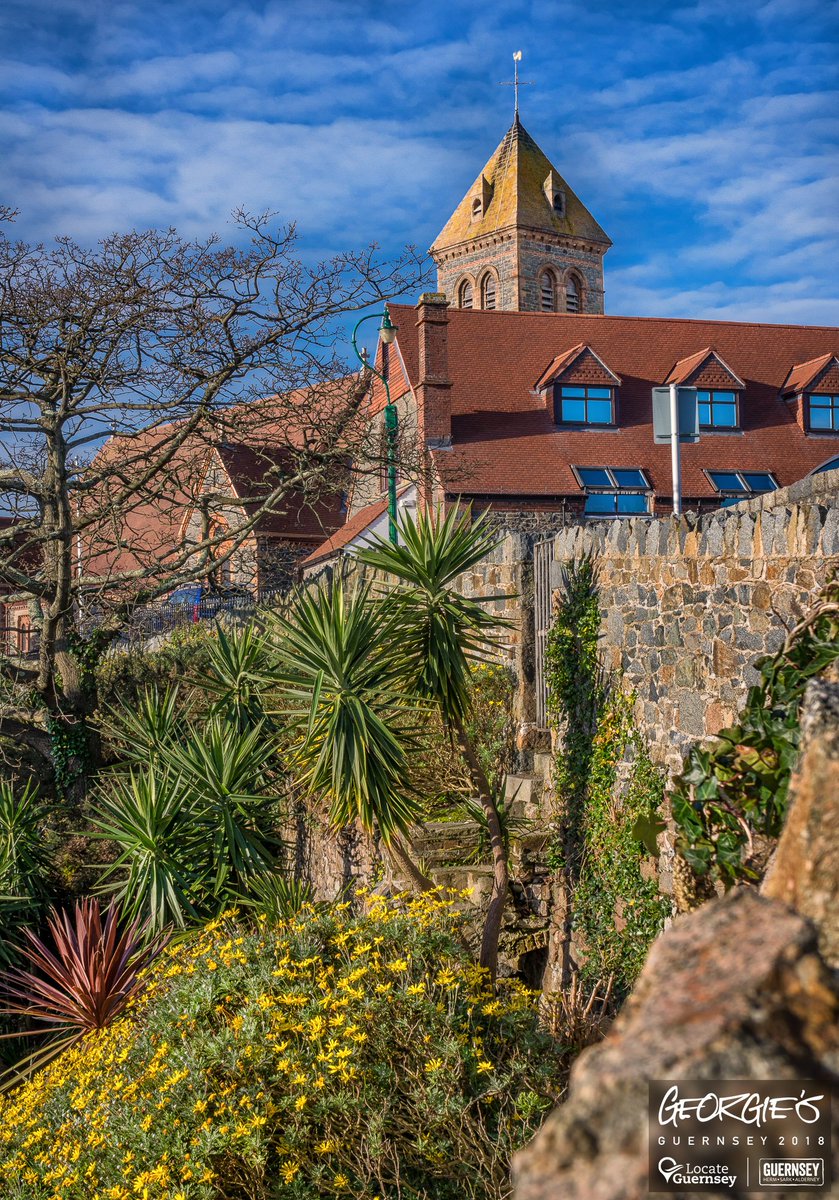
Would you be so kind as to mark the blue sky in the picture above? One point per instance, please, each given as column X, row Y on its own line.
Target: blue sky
column 703, row 135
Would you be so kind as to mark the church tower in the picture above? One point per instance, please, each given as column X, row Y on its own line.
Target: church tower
column 520, row 239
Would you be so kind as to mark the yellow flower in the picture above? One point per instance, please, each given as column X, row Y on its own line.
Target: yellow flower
column 398, row 964
column 212, row 966
column 484, row 1066
column 301, row 1102
column 433, row 1064
column 289, row 1169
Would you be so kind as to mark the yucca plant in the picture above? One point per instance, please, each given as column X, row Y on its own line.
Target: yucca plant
column 161, row 871
column 24, row 860
column 338, row 677
column 81, row 983
column 440, row 632
column 234, row 675
column 154, row 721
column 277, row 897
column 222, row 779
column 24, row 863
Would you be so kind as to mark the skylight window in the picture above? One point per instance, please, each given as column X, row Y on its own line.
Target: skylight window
column 614, row 491
column 738, row 484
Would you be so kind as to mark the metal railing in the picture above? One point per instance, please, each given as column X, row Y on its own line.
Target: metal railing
column 150, row 620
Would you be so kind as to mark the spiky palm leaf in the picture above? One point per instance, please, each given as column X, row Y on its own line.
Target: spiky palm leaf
column 235, row 668
column 339, row 682
column 161, row 870
column 221, row 772
column 441, row 631
column 24, row 860
column 154, row 721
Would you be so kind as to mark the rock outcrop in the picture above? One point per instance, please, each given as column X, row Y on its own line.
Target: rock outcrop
column 736, row 990
column 805, row 870
column 743, row 988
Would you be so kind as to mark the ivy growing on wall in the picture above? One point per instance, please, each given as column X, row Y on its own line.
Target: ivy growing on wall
column 616, row 910
column 730, row 801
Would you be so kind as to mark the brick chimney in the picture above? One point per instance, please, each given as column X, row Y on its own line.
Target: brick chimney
column 434, row 415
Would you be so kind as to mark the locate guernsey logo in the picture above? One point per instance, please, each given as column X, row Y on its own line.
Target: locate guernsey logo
column 737, row 1136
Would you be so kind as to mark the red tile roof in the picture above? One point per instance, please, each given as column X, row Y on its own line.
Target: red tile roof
column 687, row 367
column 347, row 533
column 504, row 438
column 255, row 470
column 803, row 374
column 565, row 361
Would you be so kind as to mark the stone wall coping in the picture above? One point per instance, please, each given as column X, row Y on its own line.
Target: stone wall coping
column 801, row 519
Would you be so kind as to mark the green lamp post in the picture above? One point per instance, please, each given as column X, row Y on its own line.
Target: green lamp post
column 387, row 332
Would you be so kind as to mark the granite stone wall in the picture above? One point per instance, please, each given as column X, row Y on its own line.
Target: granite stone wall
column 689, row 605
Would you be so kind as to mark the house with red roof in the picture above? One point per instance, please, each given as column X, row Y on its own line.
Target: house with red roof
column 523, row 395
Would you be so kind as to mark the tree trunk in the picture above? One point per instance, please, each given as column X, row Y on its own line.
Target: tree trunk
column 501, row 875
column 398, row 852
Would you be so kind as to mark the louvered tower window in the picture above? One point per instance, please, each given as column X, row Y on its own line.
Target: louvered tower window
column 572, row 295
column 465, row 295
column 548, row 292
column 488, row 299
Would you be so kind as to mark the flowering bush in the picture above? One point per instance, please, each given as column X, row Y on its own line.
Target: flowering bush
column 332, row 1054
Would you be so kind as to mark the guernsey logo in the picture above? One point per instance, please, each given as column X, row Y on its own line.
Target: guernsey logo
column 737, row 1136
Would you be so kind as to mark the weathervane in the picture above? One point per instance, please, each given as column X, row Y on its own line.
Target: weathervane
column 516, row 82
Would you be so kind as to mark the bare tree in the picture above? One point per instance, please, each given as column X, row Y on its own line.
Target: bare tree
column 121, row 368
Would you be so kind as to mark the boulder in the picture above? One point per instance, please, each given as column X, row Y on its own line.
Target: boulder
column 735, row 990
column 804, row 872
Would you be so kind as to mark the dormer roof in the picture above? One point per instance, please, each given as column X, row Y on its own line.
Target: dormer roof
column 803, row 375
column 516, row 188
column 563, row 366
column 687, row 369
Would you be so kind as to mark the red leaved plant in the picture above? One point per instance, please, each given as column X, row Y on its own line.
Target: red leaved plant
column 81, row 985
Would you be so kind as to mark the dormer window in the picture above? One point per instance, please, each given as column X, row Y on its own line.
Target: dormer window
column 572, row 295
column 822, row 412
column 477, row 208
column 614, row 491
column 584, row 405
column 741, row 485
column 718, row 409
column 559, row 204
column 464, row 295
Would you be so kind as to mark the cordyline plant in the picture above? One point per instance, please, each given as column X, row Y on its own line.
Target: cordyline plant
column 82, row 984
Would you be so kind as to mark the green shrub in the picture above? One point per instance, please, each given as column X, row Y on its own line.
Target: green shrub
column 330, row 1055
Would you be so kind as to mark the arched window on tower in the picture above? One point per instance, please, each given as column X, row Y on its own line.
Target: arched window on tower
column 488, row 291
column 464, row 295
column 572, row 294
column 547, row 291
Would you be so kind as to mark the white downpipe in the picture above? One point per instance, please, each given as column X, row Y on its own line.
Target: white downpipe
column 675, row 452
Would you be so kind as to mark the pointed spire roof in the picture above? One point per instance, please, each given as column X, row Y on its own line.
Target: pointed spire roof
column 512, row 188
